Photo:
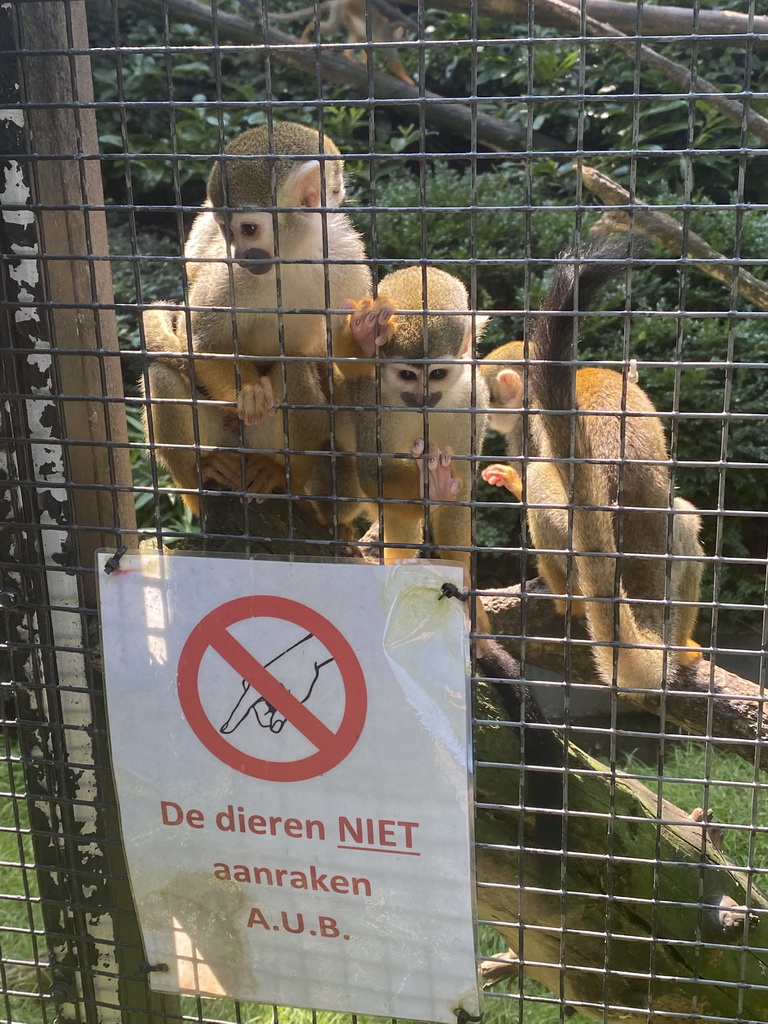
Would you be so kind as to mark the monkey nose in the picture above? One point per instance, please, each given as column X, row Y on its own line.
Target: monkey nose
column 258, row 261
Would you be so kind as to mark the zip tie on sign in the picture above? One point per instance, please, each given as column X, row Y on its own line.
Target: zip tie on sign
column 114, row 562
column 147, row 968
column 451, row 590
column 461, row 1015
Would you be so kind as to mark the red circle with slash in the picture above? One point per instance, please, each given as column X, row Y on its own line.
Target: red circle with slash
column 212, row 633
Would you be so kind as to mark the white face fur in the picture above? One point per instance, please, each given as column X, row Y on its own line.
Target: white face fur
column 250, row 233
column 250, row 236
column 447, row 384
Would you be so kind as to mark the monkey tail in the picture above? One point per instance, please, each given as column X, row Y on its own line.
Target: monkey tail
column 160, row 324
column 574, row 287
column 165, row 336
column 539, row 746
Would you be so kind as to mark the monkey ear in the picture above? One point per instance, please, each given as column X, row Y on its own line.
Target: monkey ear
column 480, row 320
column 303, row 187
column 510, row 385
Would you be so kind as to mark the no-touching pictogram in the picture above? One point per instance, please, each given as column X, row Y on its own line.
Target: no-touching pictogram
column 273, row 705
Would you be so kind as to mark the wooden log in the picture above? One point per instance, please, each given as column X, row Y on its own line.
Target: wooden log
column 638, row 911
column 705, row 700
column 80, row 329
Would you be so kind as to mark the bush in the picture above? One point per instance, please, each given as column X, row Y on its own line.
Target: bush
column 495, row 222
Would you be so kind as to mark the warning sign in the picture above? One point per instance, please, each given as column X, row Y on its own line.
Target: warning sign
column 262, row 696
column 292, row 775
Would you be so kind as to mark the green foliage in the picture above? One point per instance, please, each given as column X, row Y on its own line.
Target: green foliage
column 509, row 217
column 482, row 217
column 156, row 507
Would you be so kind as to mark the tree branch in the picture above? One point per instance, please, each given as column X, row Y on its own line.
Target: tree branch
column 456, row 117
column 281, row 526
column 568, row 14
column 736, row 29
column 668, row 232
column 639, row 885
column 704, row 700
column 737, row 110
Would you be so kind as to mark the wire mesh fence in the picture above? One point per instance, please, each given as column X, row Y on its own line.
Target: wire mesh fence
column 477, row 281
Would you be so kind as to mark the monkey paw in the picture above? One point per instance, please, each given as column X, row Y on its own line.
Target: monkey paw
column 436, row 479
column 504, row 476
column 218, row 468
column 259, row 474
column 690, row 656
column 263, row 476
column 372, row 323
column 255, row 401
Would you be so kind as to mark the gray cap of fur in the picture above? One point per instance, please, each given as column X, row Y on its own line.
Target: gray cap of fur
column 249, row 182
column 445, row 332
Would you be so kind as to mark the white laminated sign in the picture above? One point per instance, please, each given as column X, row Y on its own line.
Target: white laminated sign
column 291, row 752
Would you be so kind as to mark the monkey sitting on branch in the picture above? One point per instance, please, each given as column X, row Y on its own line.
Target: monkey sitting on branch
column 387, row 25
column 625, row 527
column 266, row 257
column 411, row 417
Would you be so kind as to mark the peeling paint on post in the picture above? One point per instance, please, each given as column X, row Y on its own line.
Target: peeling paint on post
column 48, row 618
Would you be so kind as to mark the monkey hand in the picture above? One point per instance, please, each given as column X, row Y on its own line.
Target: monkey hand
column 219, row 467
column 372, row 323
column 263, row 475
column 504, row 476
column 257, row 474
column 436, row 479
column 256, row 400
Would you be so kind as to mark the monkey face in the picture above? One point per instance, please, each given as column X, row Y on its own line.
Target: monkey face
column 249, row 238
column 404, row 384
column 281, row 214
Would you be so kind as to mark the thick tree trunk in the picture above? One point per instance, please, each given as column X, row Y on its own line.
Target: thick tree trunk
column 640, row 910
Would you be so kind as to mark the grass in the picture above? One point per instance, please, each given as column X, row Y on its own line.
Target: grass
column 694, row 775
column 698, row 775
column 23, row 983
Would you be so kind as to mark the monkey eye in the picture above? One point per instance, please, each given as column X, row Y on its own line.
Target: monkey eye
column 408, row 375
column 439, row 374
column 249, row 230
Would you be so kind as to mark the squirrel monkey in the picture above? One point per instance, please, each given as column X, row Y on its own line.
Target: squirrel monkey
column 388, row 25
column 422, row 384
column 264, row 260
column 629, row 483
